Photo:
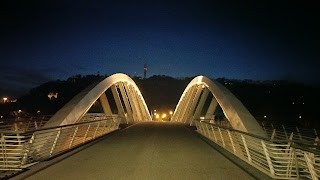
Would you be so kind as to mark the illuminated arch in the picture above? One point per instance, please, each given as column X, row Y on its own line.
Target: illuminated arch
column 121, row 85
column 193, row 99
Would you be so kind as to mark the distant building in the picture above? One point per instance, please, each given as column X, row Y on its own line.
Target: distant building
column 145, row 69
column 50, row 95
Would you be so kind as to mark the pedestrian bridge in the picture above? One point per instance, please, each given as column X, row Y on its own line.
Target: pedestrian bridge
column 149, row 149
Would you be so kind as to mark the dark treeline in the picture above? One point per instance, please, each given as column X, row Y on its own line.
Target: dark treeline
column 273, row 100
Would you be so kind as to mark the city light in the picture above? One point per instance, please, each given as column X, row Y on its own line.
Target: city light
column 264, row 116
column 5, row 99
column 164, row 115
column 157, row 116
column 170, row 112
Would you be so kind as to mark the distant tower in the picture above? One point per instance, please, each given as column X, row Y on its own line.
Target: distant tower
column 145, row 69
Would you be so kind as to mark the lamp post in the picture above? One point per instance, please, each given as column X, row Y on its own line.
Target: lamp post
column 170, row 112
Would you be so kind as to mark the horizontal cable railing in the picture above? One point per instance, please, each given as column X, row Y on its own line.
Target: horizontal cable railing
column 280, row 159
column 279, row 131
column 23, row 124
column 20, row 149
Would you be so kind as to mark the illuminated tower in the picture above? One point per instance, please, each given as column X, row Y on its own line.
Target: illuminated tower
column 145, row 71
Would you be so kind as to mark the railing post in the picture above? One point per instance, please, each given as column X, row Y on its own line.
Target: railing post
column 4, row 151
column 264, row 128
column 105, row 126
column 316, row 141
column 310, row 165
column 246, row 148
column 298, row 131
column 221, row 137
column 207, row 126
column 55, row 141
column 36, row 124
column 15, row 125
column 214, row 135
column 296, row 163
column 85, row 135
column 267, row 157
column 94, row 135
column 291, row 136
column 201, row 128
column 285, row 132
column 73, row 136
column 234, row 149
column 273, row 134
column 27, row 150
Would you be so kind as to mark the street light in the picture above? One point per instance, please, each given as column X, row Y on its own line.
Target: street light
column 164, row 115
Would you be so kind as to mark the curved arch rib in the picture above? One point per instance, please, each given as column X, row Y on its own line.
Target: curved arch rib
column 194, row 97
column 75, row 109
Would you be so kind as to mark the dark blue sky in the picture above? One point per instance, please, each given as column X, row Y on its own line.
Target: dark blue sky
column 42, row 41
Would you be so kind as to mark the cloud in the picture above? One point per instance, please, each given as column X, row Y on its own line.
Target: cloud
column 18, row 80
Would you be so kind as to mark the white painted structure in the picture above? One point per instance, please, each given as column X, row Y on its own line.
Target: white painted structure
column 193, row 99
column 132, row 108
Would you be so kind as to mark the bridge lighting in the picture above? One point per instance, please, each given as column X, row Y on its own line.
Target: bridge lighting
column 164, row 115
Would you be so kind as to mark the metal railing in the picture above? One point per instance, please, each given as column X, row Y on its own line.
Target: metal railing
column 23, row 124
column 279, row 159
column 22, row 149
column 279, row 131
column 291, row 132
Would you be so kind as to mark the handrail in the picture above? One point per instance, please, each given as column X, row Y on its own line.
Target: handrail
column 68, row 125
column 284, row 159
column 54, row 127
column 21, row 149
column 257, row 136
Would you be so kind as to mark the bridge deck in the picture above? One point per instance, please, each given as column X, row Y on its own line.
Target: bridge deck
column 146, row 151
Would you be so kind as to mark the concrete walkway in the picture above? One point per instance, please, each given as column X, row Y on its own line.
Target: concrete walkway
column 148, row 150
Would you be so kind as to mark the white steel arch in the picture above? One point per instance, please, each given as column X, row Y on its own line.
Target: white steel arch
column 134, row 103
column 195, row 95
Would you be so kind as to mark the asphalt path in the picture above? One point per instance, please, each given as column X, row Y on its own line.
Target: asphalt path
column 151, row 150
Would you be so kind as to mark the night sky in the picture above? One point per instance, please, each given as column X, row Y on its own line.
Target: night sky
column 260, row 40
